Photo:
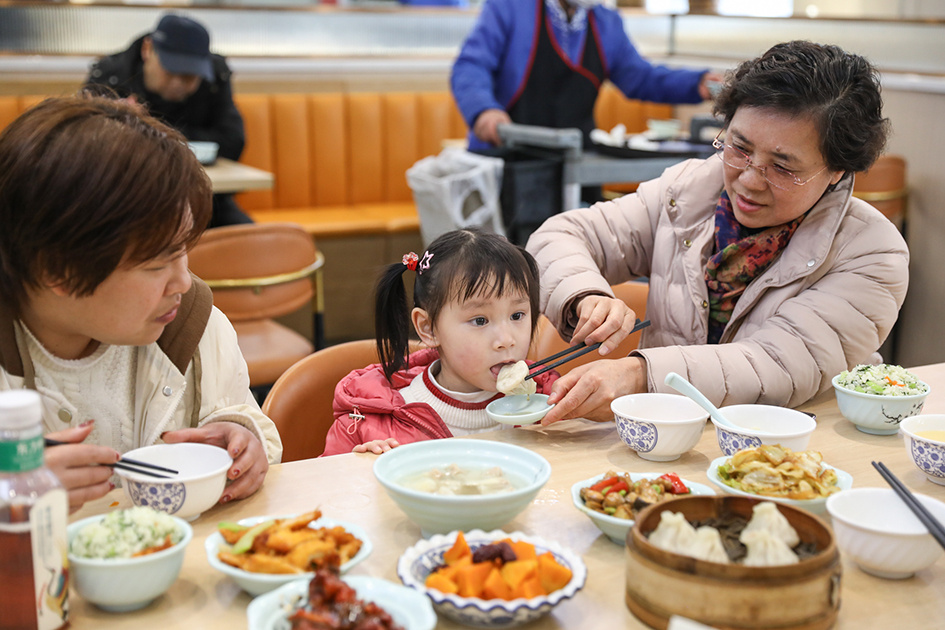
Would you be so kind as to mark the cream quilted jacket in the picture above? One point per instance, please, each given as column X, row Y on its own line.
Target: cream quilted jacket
column 827, row 303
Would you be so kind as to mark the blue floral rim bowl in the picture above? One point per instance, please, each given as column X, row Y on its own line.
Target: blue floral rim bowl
column 925, row 451
column 659, row 427
column 197, row 486
column 419, row 561
column 781, row 425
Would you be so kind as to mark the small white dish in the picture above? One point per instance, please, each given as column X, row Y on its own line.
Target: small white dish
column 815, row 506
column 518, row 410
column 259, row 583
column 409, row 608
column 877, row 530
column 617, row 528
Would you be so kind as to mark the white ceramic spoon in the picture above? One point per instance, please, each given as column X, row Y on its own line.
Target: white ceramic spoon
column 683, row 386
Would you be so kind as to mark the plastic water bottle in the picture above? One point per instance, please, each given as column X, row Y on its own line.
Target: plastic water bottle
column 34, row 511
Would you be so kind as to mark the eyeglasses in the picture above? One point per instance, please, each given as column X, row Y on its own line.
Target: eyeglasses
column 775, row 175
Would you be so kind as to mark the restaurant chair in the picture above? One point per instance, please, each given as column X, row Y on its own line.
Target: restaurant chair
column 884, row 187
column 257, row 273
column 300, row 402
column 547, row 341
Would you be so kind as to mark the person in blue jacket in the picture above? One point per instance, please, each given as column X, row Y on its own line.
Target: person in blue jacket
column 542, row 62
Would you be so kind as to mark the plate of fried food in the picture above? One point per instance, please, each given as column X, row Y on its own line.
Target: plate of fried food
column 778, row 474
column 264, row 552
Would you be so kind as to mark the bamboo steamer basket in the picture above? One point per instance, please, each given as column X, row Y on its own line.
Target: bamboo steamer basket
column 802, row 596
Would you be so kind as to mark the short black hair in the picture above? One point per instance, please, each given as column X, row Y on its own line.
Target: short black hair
column 840, row 90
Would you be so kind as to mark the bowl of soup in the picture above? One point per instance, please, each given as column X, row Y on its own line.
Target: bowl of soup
column 924, row 438
column 461, row 484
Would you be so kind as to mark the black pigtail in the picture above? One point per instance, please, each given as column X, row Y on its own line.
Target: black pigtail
column 391, row 319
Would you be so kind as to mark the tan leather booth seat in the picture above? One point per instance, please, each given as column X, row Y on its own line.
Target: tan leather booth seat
column 340, row 162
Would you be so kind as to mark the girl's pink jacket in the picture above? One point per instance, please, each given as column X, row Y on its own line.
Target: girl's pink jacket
column 367, row 407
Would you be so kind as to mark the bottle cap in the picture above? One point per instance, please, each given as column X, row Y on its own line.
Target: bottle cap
column 20, row 409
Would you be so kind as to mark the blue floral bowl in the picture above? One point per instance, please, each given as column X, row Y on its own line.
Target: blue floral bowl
column 927, row 453
column 419, row 561
column 197, row 486
column 659, row 427
column 763, row 424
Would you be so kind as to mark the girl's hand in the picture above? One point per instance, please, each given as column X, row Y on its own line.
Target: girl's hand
column 604, row 319
column 250, row 465
column 81, row 468
column 588, row 390
column 376, row 446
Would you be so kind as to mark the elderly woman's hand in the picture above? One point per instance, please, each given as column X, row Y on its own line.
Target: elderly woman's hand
column 250, row 465
column 604, row 319
column 588, row 390
column 81, row 468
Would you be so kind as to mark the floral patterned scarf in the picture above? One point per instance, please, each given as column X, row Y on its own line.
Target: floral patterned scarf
column 742, row 254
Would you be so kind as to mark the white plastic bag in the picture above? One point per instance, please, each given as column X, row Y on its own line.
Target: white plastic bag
column 456, row 189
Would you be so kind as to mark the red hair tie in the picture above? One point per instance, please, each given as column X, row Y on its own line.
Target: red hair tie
column 410, row 260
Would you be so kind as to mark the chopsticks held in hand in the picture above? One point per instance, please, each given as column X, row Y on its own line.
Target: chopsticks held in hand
column 931, row 523
column 131, row 465
column 575, row 352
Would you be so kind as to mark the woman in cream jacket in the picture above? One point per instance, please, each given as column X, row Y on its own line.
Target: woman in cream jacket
column 99, row 204
column 766, row 277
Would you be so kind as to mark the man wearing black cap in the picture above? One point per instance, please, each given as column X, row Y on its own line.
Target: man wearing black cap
column 173, row 73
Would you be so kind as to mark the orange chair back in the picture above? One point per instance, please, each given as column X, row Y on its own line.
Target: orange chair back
column 548, row 342
column 275, row 253
column 300, row 401
column 884, row 187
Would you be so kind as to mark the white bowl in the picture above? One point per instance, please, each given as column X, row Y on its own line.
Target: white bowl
column 123, row 584
column 419, row 561
column 926, row 453
column 518, row 410
column 617, row 528
column 788, row 427
column 878, row 531
column 659, row 427
column 409, row 609
column 439, row 514
column 259, row 583
column 876, row 414
column 815, row 506
column 206, row 152
column 197, row 486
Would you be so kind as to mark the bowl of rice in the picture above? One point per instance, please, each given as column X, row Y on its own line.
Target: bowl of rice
column 876, row 398
column 125, row 559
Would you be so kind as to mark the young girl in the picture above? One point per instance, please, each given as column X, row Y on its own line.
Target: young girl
column 475, row 306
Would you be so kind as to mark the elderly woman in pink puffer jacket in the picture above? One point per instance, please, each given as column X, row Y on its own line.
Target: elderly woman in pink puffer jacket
column 766, row 276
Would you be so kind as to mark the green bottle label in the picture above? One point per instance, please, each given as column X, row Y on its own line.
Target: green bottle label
column 21, row 455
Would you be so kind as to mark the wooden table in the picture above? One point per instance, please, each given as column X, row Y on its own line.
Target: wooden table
column 344, row 487
column 227, row 176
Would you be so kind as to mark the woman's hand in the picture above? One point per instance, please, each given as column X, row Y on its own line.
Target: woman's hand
column 81, row 468
column 604, row 319
column 486, row 127
column 376, row 446
column 250, row 465
column 588, row 390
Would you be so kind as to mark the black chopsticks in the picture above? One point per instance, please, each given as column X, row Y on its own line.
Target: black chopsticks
column 931, row 523
column 131, row 465
column 575, row 352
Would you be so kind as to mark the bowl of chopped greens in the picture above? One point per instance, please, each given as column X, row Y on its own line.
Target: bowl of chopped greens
column 876, row 398
column 123, row 560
